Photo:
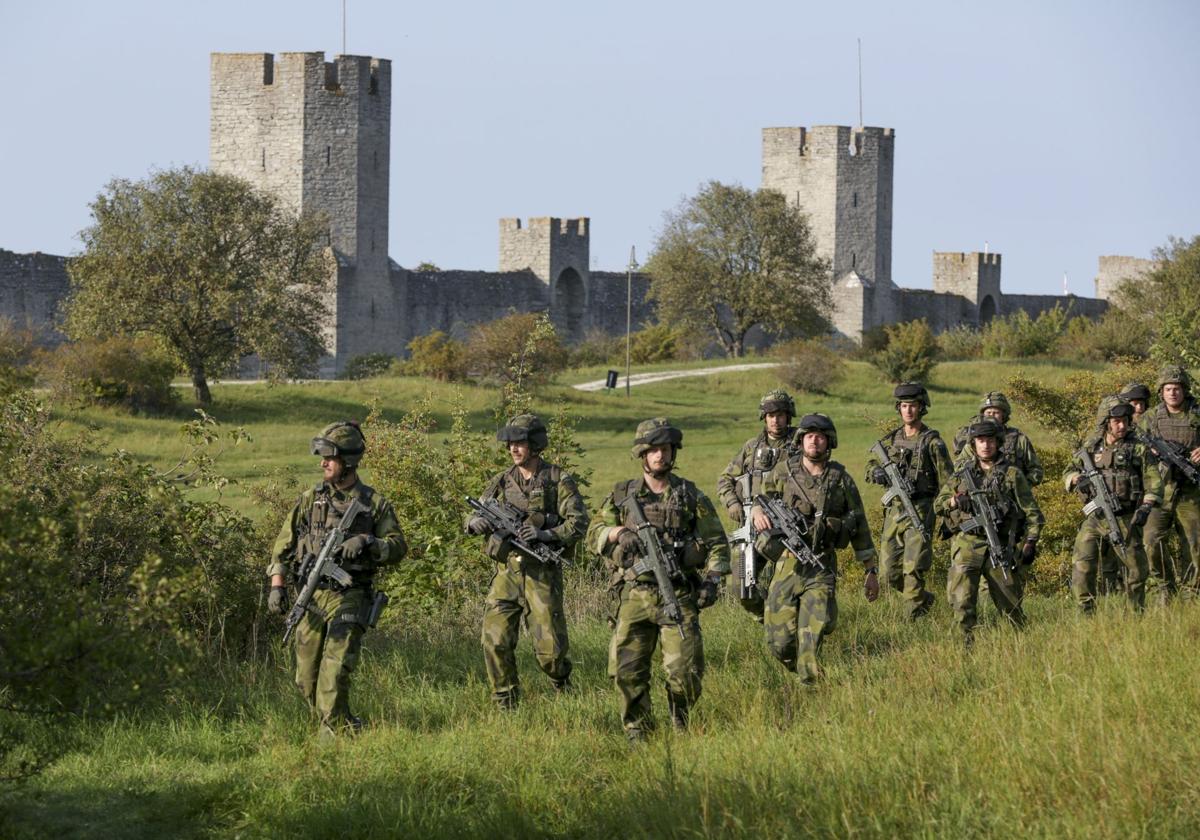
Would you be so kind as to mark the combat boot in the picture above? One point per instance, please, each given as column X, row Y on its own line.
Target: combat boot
column 563, row 686
column 679, row 712
column 925, row 606
column 507, row 700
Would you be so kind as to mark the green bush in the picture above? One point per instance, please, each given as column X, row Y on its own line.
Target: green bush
column 656, row 343
column 960, row 343
column 522, row 346
column 1115, row 335
column 132, row 373
column 810, row 366
column 598, row 348
column 367, row 366
column 437, row 356
column 910, row 354
column 1019, row 336
column 16, row 354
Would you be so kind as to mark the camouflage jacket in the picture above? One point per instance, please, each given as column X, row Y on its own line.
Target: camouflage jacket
column 1017, row 512
column 924, row 460
column 683, row 517
column 1181, row 428
column 1129, row 470
column 773, row 450
column 320, row 509
column 1015, row 447
column 834, row 495
column 550, row 499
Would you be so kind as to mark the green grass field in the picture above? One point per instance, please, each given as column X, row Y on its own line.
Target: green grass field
column 1073, row 728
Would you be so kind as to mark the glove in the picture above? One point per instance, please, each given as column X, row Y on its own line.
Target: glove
column 879, row 475
column 478, row 525
column 529, row 533
column 962, row 501
column 1028, row 552
column 737, row 515
column 277, row 600
column 631, row 548
column 1141, row 515
column 354, row 547
column 708, row 592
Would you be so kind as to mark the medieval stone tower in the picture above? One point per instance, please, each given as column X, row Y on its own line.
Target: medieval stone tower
column 317, row 134
column 556, row 251
column 974, row 276
column 842, row 178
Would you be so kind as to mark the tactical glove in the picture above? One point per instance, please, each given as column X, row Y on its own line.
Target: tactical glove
column 530, row 533
column 277, row 600
column 1028, row 552
column 478, row 525
column 708, row 592
column 879, row 476
column 737, row 515
column 1141, row 515
column 353, row 547
column 962, row 501
column 631, row 546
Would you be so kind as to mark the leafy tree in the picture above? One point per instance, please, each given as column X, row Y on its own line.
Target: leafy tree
column 213, row 268
column 1169, row 297
column 910, row 354
column 729, row 259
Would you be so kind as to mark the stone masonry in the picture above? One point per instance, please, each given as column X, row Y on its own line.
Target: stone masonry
column 32, row 286
column 1113, row 271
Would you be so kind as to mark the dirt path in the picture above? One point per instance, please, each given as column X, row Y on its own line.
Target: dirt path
column 647, row 378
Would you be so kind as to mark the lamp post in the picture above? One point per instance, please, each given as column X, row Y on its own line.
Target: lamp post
column 629, row 310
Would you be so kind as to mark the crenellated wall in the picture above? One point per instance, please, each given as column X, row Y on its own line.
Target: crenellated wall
column 32, row 287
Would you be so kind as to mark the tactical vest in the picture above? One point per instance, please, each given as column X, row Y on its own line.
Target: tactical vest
column 323, row 515
column 673, row 518
column 994, row 483
column 1181, row 428
column 1008, row 447
column 1121, row 468
column 825, row 493
column 538, row 498
column 758, row 457
column 915, row 460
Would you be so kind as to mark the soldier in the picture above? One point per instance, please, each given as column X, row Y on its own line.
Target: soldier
column 757, row 456
column 801, row 608
column 1176, row 420
column 1018, row 520
column 329, row 636
column 922, row 458
column 1015, row 446
column 524, row 588
column 1138, row 396
column 687, row 525
column 1135, row 487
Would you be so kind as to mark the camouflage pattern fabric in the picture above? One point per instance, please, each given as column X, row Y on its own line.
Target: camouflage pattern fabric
column 801, row 610
column 1092, row 549
column 327, row 652
column 1015, row 447
column 1180, row 509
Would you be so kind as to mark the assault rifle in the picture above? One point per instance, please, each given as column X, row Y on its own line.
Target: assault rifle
column 743, row 538
column 314, row 569
column 899, row 487
column 662, row 564
column 793, row 527
column 1170, row 453
column 506, row 521
column 1101, row 501
column 983, row 520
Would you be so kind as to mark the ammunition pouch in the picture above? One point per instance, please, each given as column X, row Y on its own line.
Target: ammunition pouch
column 769, row 545
column 837, row 534
column 497, row 547
column 695, row 552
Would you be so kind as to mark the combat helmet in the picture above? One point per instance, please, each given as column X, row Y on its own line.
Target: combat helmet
column 817, row 423
column 983, row 427
column 1112, row 406
column 912, row 392
column 1176, row 374
column 1135, row 391
column 343, row 439
column 777, row 400
column 525, row 427
column 995, row 399
column 656, row 432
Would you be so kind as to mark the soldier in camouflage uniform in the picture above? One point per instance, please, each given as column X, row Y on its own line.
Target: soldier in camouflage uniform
column 1177, row 420
column 524, row 588
column 1112, row 579
column 921, row 455
column 687, row 525
column 1138, row 396
column 1015, row 445
column 801, row 607
column 757, row 456
column 1131, row 475
column 1019, row 522
column 329, row 636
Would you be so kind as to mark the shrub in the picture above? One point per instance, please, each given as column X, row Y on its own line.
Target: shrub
column 16, row 353
column 367, row 365
column 522, row 346
column 133, row 373
column 655, row 343
column 1117, row 334
column 872, row 342
column 810, row 366
column 960, row 343
column 437, row 356
column 598, row 348
column 911, row 352
column 1019, row 336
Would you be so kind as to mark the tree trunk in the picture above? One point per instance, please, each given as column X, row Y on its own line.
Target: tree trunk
column 200, row 386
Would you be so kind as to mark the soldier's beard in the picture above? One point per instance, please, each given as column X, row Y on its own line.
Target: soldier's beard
column 658, row 473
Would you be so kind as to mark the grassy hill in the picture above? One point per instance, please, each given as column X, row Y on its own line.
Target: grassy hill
column 1073, row 728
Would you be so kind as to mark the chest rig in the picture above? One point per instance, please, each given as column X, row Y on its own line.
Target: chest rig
column 1120, row 466
column 913, row 457
column 1182, row 429
column 758, row 459
column 672, row 514
column 537, row 498
column 995, row 484
column 323, row 516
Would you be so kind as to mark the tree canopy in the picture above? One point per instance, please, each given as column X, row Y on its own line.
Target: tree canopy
column 729, row 259
column 210, row 266
column 1169, row 298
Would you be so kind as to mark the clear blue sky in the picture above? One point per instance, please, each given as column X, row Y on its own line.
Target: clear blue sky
column 1056, row 132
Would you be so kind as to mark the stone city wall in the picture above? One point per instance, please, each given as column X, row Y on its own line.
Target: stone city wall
column 32, row 287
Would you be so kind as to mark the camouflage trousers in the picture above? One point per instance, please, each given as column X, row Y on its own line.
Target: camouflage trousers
column 1180, row 510
column 968, row 564
column 640, row 626
column 530, row 591
column 327, row 650
column 907, row 556
column 801, row 611
column 1092, row 548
